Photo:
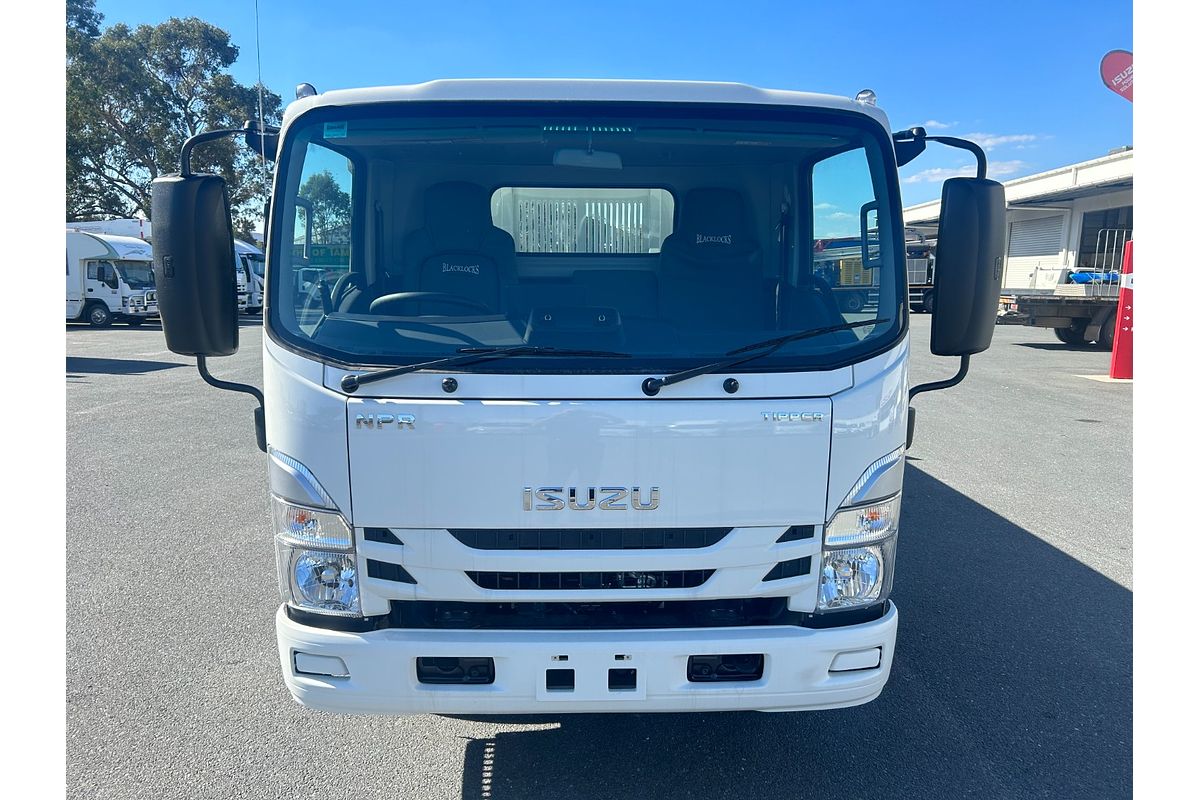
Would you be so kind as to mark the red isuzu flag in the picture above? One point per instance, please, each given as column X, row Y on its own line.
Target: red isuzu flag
column 1121, row 365
column 1116, row 68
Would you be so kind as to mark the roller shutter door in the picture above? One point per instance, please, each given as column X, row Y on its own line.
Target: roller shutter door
column 1034, row 252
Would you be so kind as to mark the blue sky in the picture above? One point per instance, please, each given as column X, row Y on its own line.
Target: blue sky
column 1020, row 77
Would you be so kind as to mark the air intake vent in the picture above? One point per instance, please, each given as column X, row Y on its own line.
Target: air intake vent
column 380, row 535
column 559, row 581
column 591, row 538
column 797, row 533
column 388, row 572
column 789, row 569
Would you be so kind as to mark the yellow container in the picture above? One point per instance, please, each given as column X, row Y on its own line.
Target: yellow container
column 852, row 273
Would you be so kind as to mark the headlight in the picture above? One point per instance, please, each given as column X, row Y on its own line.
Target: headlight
column 315, row 556
column 859, row 556
column 319, row 581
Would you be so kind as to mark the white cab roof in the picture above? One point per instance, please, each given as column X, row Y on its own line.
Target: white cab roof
column 242, row 248
column 120, row 248
column 562, row 89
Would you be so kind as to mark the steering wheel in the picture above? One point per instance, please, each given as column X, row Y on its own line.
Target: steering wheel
column 379, row 305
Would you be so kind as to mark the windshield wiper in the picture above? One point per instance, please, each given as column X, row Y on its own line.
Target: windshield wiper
column 651, row 386
column 471, row 355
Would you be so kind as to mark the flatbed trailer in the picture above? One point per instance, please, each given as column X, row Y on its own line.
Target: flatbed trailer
column 1075, row 319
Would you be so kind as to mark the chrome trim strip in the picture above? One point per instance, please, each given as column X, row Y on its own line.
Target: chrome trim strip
column 873, row 475
column 293, row 481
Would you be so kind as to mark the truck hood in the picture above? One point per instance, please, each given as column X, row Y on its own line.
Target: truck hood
column 440, row 463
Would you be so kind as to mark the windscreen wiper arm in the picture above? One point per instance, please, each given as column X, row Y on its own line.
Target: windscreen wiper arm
column 651, row 386
column 471, row 355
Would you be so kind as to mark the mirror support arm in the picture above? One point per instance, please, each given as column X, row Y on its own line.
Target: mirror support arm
column 916, row 138
column 933, row 386
column 260, row 426
column 250, row 129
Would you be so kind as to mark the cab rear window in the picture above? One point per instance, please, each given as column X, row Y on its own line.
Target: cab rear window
column 584, row 220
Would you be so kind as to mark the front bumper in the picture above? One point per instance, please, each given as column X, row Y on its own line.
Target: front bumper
column 383, row 680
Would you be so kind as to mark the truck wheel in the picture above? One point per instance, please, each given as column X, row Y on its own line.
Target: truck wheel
column 1069, row 335
column 98, row 315
column 133, row 322
column 855, row 302
column 1108, row 333
column 927, row 301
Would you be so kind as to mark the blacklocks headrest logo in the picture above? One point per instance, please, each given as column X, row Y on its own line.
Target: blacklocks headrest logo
column 705, row 238
column 472, row 269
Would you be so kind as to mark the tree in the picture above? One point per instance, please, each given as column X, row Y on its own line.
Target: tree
column 134, row 95
column 330, row 207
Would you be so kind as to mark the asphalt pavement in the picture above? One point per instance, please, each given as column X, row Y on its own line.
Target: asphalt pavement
column 1012, row 677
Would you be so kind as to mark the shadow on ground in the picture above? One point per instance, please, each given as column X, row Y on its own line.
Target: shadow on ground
column 244, row 321
column 1066, row 348
column 78, row 366
column 1012, row 679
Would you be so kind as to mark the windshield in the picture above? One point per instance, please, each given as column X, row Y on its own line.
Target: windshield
column 258, row 264
column 138, row 274
column 671, row 235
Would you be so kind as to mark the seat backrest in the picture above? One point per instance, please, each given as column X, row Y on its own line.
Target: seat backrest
column 711, row 266
column 458, row 251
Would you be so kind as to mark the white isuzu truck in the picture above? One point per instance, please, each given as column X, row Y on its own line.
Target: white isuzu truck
column 109, row 279
column 565, row 421
column 252, row 266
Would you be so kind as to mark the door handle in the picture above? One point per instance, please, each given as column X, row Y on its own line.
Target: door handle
column 91, row 290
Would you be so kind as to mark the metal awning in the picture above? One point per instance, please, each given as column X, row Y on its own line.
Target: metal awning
column 1072, row 193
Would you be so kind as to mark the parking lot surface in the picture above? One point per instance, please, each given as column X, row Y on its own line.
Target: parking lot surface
column 1012, row 676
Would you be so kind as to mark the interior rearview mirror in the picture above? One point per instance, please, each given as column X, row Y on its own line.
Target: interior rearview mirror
column 968, row 266
column 194, row 264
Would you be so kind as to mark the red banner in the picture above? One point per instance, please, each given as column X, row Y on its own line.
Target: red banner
column 1116, row 69
column 1121, row 365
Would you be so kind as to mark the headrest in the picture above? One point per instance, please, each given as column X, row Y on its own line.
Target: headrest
column 713, row 224
column 457, row 215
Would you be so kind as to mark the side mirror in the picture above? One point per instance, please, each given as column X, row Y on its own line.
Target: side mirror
column 970, row 259
column 868, row 221
column 194, row 264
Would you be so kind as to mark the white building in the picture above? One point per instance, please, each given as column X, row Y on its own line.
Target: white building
column 1073, row 217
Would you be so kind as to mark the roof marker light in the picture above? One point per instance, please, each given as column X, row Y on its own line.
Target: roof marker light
column 304, row 90
column 866, row 97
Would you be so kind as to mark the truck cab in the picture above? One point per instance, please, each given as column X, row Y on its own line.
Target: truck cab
column 561, row 408
column 109, row 279
column 251, row 269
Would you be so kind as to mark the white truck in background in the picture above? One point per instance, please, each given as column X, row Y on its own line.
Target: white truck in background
column 251, row 269
column 133, row 227
column 552, row 464
column 249, row 258
column 109, row 279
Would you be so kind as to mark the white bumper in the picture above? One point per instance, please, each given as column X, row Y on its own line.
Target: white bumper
column 382, row 669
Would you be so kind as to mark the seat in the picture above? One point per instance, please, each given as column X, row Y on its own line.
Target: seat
column 711, row 266
column 458, row 252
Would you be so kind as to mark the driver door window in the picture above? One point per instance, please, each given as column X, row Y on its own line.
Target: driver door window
column 845, row 226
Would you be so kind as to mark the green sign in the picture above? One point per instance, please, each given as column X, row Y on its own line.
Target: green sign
column 335, row 255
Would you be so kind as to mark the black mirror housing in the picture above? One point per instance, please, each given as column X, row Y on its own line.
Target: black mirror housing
column 968, row 266
column 194, row 264
column 264, row 144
